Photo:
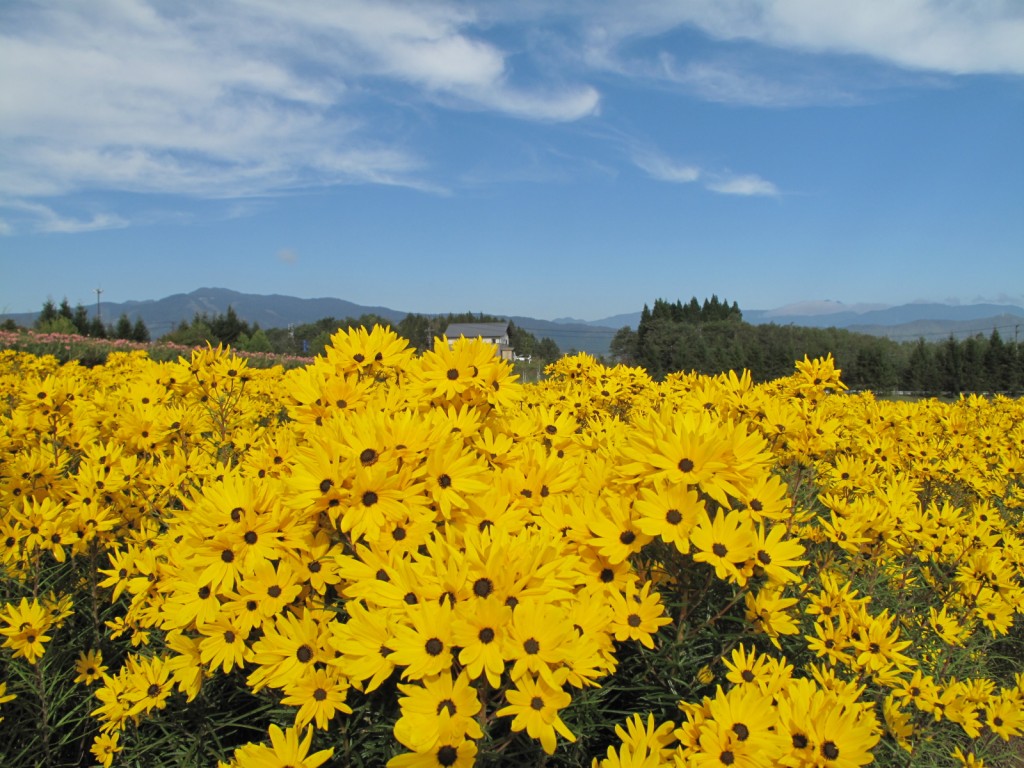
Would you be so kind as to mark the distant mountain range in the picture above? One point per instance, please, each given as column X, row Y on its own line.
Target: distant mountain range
column 904, row 322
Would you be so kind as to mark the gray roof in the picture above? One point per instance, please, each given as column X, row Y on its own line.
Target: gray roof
column 472, row 330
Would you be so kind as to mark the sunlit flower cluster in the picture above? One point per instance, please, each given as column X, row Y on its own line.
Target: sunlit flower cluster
column 426, row 525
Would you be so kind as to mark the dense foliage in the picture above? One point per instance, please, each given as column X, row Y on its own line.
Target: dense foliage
column 712, row 337
column 384, row 557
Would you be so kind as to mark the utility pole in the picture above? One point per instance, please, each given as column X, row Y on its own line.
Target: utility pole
column 98, row 292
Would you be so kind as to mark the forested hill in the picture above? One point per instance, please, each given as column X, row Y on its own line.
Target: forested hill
column 713, row 337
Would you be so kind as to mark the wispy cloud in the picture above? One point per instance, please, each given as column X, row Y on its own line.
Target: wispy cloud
column 659, row 167
column 747, row 186
column 249, row 98
column 244, row 99
column 959, row 37
column 42, row 218
column 287, row 256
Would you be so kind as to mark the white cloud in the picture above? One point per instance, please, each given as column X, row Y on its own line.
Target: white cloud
column 6, row 228
column 241, row 98
column 945, row 36
column 42, row 218
column 663, row 169
column 749, row 185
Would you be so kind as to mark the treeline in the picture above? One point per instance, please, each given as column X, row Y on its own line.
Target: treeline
column 62, row 318
column 310, row 339
column 712, row 337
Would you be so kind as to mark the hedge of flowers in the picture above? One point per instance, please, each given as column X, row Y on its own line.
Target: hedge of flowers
column 383, row 558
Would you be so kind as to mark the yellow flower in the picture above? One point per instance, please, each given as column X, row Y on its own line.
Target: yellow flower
column 478, row 629
column 775, row 555
column 637, row 615
column 669, row 511
column 223, row 644
column 149, row 683
column 27, row 625
column 89, row 667
column 725, row 543
column 449, row 751
column 285, row 751
column 105, row 748
column 364, row 644
column 319, row 694
column 534, row 705
column 768, row 611
column 453, row 474
column 536, row 640
column 425, row 647
column 287, row 650
column 437, row 709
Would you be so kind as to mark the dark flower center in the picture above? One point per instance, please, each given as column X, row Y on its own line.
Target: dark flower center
column 446, row 704
column 447, row 755
column 434, row 646
column 482, row 587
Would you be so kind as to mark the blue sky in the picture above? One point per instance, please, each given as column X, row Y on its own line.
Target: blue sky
column 565, row 158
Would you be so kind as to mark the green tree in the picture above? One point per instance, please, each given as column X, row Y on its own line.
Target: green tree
column 623, row 346
column 973, row 355
column 416, row 329
column 123, row 328
column 998, row 364
column 140, row 332
column 949, row 362
column 60, row 324
column 96, row 328
column 920, row 373
column 228, row 327
column 48, row 314
column 547, row 351
column 259, row 342
column 194, row 334
column 81, row 319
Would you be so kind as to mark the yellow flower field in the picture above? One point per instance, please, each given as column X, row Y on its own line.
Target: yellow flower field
column 383, row 558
